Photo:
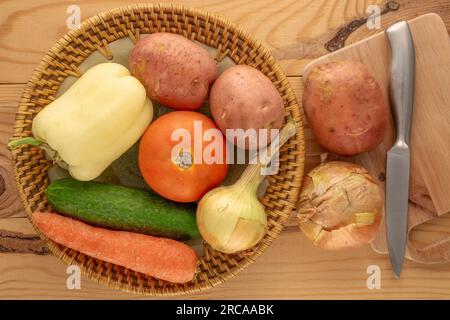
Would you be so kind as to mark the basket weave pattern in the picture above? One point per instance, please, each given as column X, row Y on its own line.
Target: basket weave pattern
column 63, row 60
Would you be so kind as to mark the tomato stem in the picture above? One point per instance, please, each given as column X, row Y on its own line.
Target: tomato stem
column 184, row 160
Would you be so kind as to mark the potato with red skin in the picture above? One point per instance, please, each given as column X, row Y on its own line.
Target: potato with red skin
column 244, row 98
column 175, row 71
column 345, row 107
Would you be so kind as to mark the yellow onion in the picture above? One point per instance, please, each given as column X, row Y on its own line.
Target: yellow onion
column 340, row 206
column 230, row 218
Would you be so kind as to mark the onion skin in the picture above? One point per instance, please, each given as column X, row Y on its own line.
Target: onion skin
column 231, row 219
column 340, row 206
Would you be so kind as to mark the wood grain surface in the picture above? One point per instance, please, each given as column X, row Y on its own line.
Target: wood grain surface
column 430, row 144
column 296, row 32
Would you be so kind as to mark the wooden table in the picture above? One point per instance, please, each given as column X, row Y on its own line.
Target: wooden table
column 296, row 32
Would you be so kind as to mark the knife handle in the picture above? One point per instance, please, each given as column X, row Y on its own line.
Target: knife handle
column 402, row 79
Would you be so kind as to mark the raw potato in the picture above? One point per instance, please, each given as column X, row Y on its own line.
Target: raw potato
column 244, row 98
column 345, row 107
column 175, row 71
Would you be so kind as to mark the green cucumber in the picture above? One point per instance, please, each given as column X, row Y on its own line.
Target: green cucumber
column 122, row 208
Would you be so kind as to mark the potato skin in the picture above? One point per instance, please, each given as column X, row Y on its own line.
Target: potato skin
column 345, row 107
column 243, row 98
column 175, row 71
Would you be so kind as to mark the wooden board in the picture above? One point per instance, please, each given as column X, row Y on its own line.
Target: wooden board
column 430, row 143
column 296, row 32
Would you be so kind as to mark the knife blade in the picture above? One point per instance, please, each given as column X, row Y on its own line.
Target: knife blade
column 398, row 157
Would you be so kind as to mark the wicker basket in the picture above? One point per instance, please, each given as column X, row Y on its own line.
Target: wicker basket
column 62, row 60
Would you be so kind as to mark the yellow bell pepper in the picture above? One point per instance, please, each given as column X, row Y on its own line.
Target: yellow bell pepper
column 94, row 122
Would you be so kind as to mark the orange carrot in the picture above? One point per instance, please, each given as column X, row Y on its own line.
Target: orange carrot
column 161, row 258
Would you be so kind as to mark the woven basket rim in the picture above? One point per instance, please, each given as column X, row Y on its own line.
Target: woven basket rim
column 38, row 72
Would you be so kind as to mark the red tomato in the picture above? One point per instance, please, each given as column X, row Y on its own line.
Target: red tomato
column 177, row 173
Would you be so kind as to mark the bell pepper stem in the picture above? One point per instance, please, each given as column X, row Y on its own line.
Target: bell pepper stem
column 32, row 141
column 13, row 144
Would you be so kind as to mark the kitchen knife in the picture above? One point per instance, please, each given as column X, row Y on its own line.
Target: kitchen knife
column 398, row 157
